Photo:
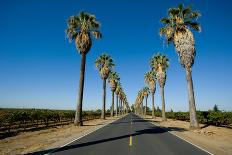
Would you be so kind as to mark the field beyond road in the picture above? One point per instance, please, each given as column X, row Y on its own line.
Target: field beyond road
column 28, row 142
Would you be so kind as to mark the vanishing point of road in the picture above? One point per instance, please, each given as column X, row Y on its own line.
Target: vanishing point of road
column 130, row 135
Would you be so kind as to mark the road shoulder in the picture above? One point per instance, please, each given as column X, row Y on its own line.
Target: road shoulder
column 215, row 140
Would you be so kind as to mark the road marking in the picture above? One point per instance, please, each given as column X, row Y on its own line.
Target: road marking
column 180, row 137
column 85, row 134
column 130, row 141
column 191, row 143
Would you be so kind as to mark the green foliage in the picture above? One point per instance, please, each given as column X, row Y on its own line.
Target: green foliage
column 16, row 119
column 215, row 108
column 206, row 117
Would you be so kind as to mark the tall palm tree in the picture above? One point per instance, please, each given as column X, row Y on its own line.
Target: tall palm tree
column 159, row 63
column 82, row 28
column 150, row 79
column 104, row 63
column 140, row 101
column 146, row 92
column 113, row 80
column 117, row 91
column 177, row 30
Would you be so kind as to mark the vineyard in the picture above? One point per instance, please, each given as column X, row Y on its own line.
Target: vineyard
column 223, row 119
column 13, row 121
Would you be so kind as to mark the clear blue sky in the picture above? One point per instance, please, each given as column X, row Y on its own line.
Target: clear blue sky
column 39, row 68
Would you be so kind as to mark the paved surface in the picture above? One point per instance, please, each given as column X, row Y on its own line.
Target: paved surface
column 130, row 135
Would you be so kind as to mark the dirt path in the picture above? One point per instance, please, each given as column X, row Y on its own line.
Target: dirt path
column 49, row 138
column 216, row 140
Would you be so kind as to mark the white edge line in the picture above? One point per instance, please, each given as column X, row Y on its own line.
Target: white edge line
column 85, row 135
column 191, row 143
column 178, row 136
column 182, row 138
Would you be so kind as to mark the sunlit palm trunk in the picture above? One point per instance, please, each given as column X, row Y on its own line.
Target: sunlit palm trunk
column 78, row 114
column 153, row 105
column 145, row 110
column 116, row 106
column 104, row 100
column 192, row 107
column 142, row 108
column 112, row 107
column 163, row 104
column 120, row 106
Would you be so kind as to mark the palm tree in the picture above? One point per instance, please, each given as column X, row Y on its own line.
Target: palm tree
column 159, row 63
column 82, row 28
column 140, row 101
column 117, row 91
column 177, row 30
column 146, row 92
column 150, row 79
column 104, row 63
column 113, row 80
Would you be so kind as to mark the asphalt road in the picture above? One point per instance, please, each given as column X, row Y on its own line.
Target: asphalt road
column 130, row 135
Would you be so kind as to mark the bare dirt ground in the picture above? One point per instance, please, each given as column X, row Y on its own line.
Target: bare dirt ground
column 47, row 139
column 216, row 140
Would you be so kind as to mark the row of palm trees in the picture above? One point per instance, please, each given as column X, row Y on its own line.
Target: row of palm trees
column 105, row 64
column 159, row 64
column 177, row 30
column 82, row 29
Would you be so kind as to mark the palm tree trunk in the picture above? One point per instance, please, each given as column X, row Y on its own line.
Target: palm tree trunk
column 153, row 105
column 163, row 104
column 142, row 108
column 116, row 105
column 192, row 107
column 120, row 106
column 104, row 100
column 112, row 106
column 145, row 110
column 78, row 114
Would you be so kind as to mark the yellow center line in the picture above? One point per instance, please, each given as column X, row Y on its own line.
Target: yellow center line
column 130, row 141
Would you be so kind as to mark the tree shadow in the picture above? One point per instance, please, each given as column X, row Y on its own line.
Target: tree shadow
column 151, row 130
column 205, row 126
column 120, row 122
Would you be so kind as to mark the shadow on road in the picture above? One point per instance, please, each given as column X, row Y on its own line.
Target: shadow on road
column 151, row 130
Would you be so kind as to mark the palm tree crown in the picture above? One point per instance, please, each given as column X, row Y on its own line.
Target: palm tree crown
column 150, row 79
column 179, row 19
column 113, row 80
column 146, row 91
column 81, row 28
column 176, row 30
column 105, row 64
column 159, row 63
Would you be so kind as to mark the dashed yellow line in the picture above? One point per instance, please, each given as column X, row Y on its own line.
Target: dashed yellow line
column 130, row 141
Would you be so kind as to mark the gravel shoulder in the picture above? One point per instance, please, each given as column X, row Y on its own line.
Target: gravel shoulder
column 216, row 140
column 48, row 139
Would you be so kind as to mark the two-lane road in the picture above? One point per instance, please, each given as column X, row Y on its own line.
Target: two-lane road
column 130, row 135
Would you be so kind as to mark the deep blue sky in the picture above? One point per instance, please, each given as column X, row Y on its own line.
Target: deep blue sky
column 39, row 68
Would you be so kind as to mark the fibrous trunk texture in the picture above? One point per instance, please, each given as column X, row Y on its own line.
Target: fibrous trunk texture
column 83, row 42
column 78, row 113
column 184, row 45
column 161, row 77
